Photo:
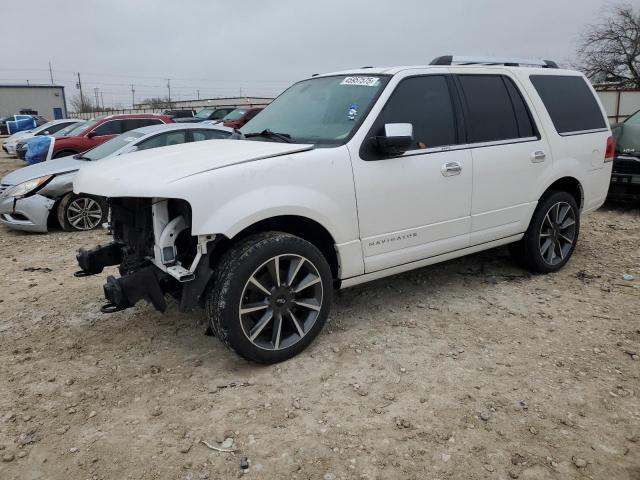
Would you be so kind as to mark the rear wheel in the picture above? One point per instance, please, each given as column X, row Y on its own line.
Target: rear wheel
column 552, row 235
column 271, row 297
column 81, row 212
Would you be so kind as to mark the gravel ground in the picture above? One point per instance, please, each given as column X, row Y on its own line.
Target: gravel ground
column 471, row 369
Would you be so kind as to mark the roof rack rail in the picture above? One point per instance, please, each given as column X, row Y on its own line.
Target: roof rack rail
column 506, row 61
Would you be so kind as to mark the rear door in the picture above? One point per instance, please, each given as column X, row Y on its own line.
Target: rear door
column 415, row 205
column 509, row 155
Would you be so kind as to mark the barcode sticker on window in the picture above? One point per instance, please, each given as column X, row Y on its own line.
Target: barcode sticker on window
column 361, row 81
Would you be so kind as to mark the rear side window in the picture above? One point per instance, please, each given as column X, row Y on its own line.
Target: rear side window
column 495, row 109
column 199, row 135
column 570, row 103
column 133, row 123
column 164, row 140
column 424, row 102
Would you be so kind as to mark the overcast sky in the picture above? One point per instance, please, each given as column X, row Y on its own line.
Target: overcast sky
column 258, row 47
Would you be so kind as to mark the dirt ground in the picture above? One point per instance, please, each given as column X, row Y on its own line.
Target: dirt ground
column 471, row 369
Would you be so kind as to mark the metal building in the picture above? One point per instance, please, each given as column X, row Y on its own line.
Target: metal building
column 47, row 100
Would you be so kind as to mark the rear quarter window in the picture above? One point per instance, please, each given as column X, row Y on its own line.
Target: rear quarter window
column 570, row 103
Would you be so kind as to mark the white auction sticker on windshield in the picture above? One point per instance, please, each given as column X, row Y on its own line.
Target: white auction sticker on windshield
column 361, row 81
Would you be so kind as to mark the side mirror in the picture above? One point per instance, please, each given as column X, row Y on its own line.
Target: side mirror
column 91, row 134
column 397, row 138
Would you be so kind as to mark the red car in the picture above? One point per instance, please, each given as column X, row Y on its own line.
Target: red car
column 238, row 117
column 94, row 132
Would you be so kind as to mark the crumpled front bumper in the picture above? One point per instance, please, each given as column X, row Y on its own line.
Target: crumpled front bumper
column 28, row 214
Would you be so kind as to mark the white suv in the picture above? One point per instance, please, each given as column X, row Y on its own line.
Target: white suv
column 349, row 177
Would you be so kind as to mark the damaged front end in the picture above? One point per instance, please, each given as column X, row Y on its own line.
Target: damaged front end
column 156, row 254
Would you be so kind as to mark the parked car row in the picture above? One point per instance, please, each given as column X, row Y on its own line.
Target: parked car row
column 34, row 197
column 49, row 128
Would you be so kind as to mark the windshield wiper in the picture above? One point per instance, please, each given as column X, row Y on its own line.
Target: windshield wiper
column 285, row 137
column 80, row 157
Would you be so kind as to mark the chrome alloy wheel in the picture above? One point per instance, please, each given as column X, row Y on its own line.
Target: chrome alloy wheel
column 281, row 302
column 557, row 233
column 84, row 213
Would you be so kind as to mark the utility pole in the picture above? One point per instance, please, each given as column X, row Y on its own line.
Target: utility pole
column 79, row 87
column 198, row 94
column 102, row 98
column 51, row 73
column 169, row 89
column 95, row 91
column 133, row 97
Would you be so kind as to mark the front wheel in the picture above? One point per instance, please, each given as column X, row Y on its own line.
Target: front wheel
column 81, row 212
column 552, row 235
column 271, row 296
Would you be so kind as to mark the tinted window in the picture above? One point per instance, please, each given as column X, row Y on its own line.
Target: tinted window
column 133, row 123
column 113, row 127
column 570, row 103
column 424, row 102
column 199, row 135
column 220, row 113
column 163, row 140
column 526, row 126
column 490, row 113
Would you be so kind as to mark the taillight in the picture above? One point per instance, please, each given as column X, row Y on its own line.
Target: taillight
column 610, row 151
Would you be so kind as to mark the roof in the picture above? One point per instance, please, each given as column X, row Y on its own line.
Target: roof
column 31, row 85
column 180, row 126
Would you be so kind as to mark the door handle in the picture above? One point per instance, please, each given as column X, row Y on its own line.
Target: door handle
column 450, row 169
column 538, row 156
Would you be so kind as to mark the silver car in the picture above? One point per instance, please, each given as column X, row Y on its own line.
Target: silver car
column 34, row 197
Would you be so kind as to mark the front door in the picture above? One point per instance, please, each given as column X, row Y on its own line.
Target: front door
column 415, row 205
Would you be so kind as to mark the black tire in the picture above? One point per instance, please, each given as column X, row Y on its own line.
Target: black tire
column 232, row 288
column 64, row 153
column 93, row 212
column 530, row 252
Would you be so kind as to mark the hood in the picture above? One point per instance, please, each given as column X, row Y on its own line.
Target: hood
column 18, row 136
column 148, row 173
column 51, row 167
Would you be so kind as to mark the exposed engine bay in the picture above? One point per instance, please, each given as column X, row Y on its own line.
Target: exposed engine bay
column 155, row 253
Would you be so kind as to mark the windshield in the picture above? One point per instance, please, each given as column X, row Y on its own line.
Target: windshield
column 324, row 110
column 72, row 130
column 633, row 119
column 204, row 113
column 235, row 114
column 111, row 146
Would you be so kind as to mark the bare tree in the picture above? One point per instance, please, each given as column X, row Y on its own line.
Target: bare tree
column 610, row 50
column 157, row 102
column 82, row 104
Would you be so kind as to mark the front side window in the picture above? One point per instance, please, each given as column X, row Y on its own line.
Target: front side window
column 199, row 135
column 163, row 140
column 570, row 103
column 112, row 127
column 425, row 103
column 220, row 114
column 490, row 112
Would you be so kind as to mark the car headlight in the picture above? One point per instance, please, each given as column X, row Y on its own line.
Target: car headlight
column 27, row 188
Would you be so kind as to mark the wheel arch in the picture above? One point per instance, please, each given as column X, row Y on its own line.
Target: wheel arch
column 300, row 226
column 567, row 184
